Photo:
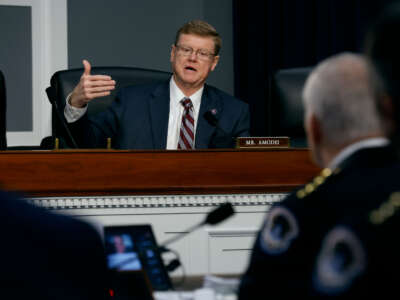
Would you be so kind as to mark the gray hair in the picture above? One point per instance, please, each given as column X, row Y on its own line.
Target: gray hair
column 339, row 93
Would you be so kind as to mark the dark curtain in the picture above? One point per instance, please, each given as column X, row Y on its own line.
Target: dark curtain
column 278, row 34
column 3, row 109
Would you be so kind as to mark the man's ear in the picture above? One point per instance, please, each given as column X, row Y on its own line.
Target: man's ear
column 172, row 56
column 386, row 110
column 316, row 129
column 215, row 62
column 386, row 106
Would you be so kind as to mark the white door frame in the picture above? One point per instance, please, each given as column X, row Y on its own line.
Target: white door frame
column 49, row 54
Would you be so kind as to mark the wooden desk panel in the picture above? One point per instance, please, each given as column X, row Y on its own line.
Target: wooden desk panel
column 112, row 172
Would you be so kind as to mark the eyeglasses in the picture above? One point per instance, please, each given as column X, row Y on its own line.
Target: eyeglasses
column 200, row 53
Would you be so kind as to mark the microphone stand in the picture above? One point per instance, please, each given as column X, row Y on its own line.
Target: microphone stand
column 212, row 119
column 177, row 237
column 219, row 214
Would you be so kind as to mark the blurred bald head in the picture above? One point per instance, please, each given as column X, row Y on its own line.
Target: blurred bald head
column 340, row 106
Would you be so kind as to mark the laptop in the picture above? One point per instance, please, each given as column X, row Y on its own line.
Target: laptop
column 134, row 260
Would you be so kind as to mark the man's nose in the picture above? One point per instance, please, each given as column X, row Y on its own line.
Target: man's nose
column 193, row 56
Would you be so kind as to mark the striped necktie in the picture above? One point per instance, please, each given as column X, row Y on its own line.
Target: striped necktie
column 186, row 134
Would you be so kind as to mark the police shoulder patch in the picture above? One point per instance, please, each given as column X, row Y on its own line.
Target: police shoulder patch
column 341, row 260
column 280, row 228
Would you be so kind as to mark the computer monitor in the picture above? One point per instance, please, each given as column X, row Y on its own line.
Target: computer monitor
column 133, row 248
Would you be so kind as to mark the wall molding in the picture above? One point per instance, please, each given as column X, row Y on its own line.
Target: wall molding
column 159, row 201
column 232, row 232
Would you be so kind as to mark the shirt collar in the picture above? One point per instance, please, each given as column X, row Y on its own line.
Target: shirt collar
column 177, row 95
column 349, row 150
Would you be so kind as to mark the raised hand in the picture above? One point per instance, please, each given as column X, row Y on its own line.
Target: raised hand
column 90, row 87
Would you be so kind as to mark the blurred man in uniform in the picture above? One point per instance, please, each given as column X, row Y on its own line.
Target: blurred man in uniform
column 346, row 138
column 359, row 257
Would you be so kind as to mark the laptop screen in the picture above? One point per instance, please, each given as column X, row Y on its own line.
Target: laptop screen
column 134, row 248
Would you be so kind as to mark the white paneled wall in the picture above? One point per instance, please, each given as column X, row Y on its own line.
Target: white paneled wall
column 221, row 249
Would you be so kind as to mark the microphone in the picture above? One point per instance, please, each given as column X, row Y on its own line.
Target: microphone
column 211, row 117
column 51, row 94
column 221, row 213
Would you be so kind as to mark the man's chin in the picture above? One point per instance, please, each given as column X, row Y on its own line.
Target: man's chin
column 188, row 81
column 190, row 77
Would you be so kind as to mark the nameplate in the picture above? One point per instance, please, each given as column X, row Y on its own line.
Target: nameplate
column 262, row 142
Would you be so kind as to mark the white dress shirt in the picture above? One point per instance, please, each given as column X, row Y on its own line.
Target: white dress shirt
column 73, row 114
column 176, row 110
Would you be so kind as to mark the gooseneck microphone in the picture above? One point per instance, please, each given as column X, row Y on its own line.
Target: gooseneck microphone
column 51, row 94
column 221, row 213
column 211, row 117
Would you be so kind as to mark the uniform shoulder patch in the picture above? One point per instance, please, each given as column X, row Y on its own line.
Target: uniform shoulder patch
column 280, row 228
column 341, row 260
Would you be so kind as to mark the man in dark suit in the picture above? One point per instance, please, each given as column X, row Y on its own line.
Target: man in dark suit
column 346, row 137
column 359, row 256
column 154, row 116
column 48, row 256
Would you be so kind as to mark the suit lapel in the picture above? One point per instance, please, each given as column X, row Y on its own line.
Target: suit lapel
column 159, row 114
column 204, row 130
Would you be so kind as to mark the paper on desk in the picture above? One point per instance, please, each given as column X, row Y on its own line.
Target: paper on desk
column 221, row 285
column 198, row 294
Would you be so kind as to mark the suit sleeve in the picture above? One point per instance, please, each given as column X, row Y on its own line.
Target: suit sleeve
column 93, row 132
